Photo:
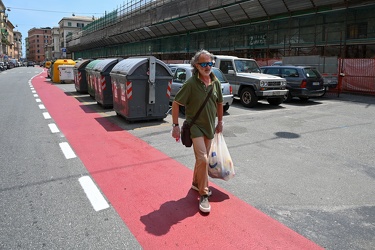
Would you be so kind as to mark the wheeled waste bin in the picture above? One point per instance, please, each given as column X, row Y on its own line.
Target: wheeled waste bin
column 90, row 77
column 80, row 80
column 55, row 73
column 103, row 86
column 48, row 64
column 141, row 87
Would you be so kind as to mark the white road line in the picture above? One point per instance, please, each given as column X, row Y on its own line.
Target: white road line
column 53, row 128
column 38, row 100
column 41, row 106
column 67, row 150
column 36, row 95
column 46, row 115
column 33, row 91
column 93, row 194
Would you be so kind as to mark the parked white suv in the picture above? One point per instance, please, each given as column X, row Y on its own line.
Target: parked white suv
column 248, row 83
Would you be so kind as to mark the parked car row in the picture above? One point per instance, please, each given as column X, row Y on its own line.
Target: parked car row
column 13, row 63
column 7, row 65
column 303, row 82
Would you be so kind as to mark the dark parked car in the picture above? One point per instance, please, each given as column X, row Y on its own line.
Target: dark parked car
column 30, row 64
column 302, row 81
column 2, row 66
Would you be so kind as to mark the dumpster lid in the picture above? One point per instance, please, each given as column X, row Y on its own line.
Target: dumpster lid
column 129, row 65
column 92, row 64
column 65, row 61
column 65, row 66
column 82, row 64
column 104, row 64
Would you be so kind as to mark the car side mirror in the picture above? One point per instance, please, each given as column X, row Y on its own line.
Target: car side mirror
column 231, row 71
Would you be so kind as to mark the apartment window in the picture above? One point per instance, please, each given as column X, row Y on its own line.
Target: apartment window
column 70, row 24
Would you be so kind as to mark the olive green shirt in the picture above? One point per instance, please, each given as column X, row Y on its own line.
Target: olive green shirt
column 192, row 95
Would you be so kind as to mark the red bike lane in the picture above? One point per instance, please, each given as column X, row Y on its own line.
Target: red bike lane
column 151, row 191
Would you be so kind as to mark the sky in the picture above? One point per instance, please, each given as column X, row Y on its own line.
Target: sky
column 28, row 14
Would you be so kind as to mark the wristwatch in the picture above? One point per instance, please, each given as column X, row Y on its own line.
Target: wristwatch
column 175, row 125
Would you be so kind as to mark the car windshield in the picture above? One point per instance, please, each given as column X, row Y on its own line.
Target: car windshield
column 172, row 68
column 219, row 75
column 312, row 73
column 246, row 66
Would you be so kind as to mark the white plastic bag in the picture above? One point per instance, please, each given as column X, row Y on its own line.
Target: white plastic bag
column 220, row 163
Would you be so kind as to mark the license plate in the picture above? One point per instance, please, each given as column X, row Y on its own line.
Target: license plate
column 316, row 83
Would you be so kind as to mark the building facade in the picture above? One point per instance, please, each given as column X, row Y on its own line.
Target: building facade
column 6, row 35
column 55, row 51
column 50, row 43
column 38, row 40
column 26, row 48
column 257, row 29
column 69, row 26
column 17, row 45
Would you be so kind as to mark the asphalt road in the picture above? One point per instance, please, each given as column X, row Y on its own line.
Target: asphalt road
column 42, row 203
column 309, row 165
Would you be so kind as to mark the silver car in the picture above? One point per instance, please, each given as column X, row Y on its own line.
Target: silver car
column 182, row 72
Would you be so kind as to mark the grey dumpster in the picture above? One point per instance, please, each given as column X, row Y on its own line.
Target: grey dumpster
column 80, row 79
column 90, row 77
column 141, row 88
column 103, row 86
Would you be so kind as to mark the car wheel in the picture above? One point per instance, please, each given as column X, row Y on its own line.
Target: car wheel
column 226, row 107
column 275, row 101
column 324, row 92
column 304, row 99
column 288, row 97
column 248, row 98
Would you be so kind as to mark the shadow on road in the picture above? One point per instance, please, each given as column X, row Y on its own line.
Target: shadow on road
column 170, row 213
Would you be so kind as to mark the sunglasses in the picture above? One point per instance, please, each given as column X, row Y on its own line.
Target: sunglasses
column 205, row 64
